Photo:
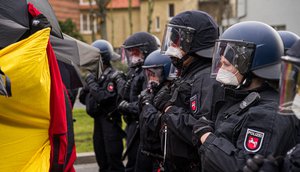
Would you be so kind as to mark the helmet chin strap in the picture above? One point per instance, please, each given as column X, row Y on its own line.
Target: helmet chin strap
column 178, row 63
column 246, row 82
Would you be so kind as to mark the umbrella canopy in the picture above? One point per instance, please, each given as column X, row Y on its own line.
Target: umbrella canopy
column 14, row 21
column 75, row 59
column 45, row 8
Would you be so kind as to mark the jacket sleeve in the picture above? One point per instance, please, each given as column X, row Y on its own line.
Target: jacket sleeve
column 218, row 154
column 180, row 122
column 150, row 117
column 133, row 108
column 104, row 91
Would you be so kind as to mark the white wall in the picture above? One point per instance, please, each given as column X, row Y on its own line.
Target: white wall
column 273, row 12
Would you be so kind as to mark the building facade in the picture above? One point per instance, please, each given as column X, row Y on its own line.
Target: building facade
column 280, row 14
column 67, row 9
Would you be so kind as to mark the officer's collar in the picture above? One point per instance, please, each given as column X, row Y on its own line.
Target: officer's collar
column 229, row 91
column 196, row 64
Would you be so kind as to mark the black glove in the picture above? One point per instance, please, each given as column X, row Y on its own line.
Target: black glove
column 38, row 23
column 145, row 97
column 91, row 80
column 254, row 164
column 161, row 100
column 117, row 76
column 260, row 163
column 123, row 105
column 201, row 127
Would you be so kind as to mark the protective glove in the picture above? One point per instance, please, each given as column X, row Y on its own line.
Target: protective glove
column 146, row 97
column 201, row 127
column 117, row 76
column 91, row 81
column 38, row 23
column 161, row 100
column 260, row 163
column 123, row 106
column 254, row 164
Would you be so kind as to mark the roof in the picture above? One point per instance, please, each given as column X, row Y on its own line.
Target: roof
column 123, row 4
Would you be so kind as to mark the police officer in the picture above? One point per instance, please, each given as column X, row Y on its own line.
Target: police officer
column 288, row 38
column 135, row 49
column 247, row 123
column 101, row 99
column 189, row 40
column 289, row 105
column 159, row 74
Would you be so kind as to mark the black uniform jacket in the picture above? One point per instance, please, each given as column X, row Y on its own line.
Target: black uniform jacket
column 241, row 134
column 192, row 99
column 102, row 98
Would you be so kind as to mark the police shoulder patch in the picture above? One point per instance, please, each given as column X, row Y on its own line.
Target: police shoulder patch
column 110, row 87
column 253, row 140
column 194, row 103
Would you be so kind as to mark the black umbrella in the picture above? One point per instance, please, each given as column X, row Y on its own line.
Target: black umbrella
column 14, row 21
column 75, row 59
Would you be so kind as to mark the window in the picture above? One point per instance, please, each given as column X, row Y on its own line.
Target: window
column 87, row 2
column 171, row 10
column 279, row 27
column 157, row 24
column 85, row 23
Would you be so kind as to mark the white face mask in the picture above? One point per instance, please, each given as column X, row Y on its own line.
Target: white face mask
column 136, row 60
column 227, row 77
column 296, row 106
column 174, row 52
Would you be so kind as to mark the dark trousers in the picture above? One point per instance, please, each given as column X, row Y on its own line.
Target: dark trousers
column 132, row 142
column 146, row 163
column 177, row 164
column 108, row 146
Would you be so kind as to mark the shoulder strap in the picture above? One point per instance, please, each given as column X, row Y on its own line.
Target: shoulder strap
column 252, row 99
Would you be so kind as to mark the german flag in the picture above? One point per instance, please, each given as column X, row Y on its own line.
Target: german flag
column 36, row 127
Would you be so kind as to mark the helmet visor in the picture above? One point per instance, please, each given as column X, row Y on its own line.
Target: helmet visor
column 177, row 37
column 173, row 73
column 289, row 88
column 154, row 76
column 134, row 56
column 239, row 54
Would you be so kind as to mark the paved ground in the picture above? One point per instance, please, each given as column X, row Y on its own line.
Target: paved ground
column 91, row 167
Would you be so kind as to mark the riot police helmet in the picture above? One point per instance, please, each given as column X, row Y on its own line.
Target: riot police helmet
column 288, row 38
column 159, row 67
column 106, row 50
column 193, row 32
column 137, row 47
column 253, row 48
column 289, row 86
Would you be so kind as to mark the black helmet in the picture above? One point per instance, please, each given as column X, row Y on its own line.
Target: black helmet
column 252, row 47
column 290, row 81
column 106, row 51
column 158, row 68
column 194, row 32
column 288, row 39
column 139, row 44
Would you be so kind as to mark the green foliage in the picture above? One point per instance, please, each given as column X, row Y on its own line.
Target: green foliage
column 69, row 27
column 83, row 131
column 120, row 66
